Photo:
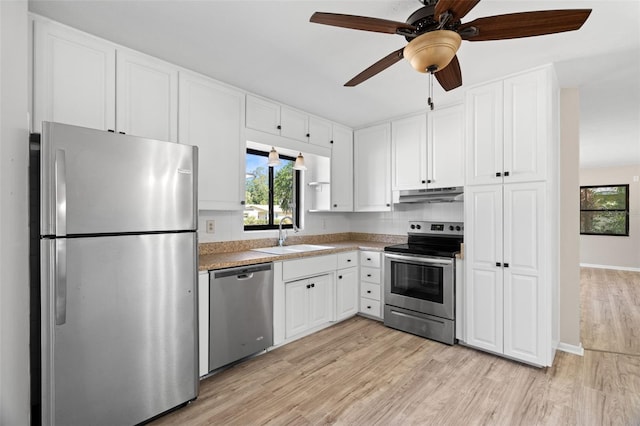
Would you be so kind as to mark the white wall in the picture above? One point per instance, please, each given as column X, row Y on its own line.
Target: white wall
column 616, row 252
column 569, row 218
column 14, row 255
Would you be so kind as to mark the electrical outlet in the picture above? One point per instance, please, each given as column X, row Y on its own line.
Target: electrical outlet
column 211, row 227
column 636, row 178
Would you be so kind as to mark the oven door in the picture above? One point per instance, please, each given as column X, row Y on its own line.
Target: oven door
column 420, row 283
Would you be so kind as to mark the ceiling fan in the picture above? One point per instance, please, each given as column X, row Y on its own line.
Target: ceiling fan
column 434, row 33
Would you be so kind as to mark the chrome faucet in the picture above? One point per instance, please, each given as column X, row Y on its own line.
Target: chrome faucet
column 282, row 238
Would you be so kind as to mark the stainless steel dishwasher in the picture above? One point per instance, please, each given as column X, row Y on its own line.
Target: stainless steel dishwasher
column 240, row 313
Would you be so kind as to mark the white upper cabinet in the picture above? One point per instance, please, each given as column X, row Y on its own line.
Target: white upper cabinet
column 147, row 96
column 409, row 153
column 445, row 147
column 212, row 118
column 271, row 117
column 372, row 168
column 263, row 115
column 294, row 124
column 509, row 126
column 74, row 78
column 320, row 132
column 342, row 169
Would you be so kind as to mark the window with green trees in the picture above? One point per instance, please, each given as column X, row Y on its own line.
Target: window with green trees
column 270, row 192
column 604, row 210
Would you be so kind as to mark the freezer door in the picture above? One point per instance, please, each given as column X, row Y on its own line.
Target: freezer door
column 121, row 347
column 95, row 182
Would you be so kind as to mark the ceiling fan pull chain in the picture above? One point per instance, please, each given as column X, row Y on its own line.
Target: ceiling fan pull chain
column 430, row 99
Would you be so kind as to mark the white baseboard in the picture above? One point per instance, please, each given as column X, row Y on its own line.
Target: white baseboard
column 617, row 268
column 572, row 349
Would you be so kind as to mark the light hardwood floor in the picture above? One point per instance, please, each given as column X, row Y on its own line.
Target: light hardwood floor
column 360, row 372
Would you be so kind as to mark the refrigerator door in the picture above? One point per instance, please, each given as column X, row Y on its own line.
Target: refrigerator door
column 121, row 345
column 95, row 182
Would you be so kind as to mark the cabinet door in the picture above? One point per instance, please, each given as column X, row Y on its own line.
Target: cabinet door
column 74, row 78
column 484, row 134
column 525, row 308
column 294, row 124
column 296, row 307
column 320, row 300
column 347, row 293
column 526, row 126
column 484, row 283
column 342, row 170
column 409, row 153
column 263, row 115
column 372, row 169
column 211, row 117
column 320, row 132
column 445, row 147
column 147, row 97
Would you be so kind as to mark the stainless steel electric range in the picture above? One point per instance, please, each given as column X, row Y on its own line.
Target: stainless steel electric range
column 419, row 280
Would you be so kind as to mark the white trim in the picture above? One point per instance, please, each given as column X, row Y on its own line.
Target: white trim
column 617, row 268
column 572, row 349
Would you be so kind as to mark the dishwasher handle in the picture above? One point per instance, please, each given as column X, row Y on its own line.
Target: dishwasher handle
column 242, row 272
column 244, row 277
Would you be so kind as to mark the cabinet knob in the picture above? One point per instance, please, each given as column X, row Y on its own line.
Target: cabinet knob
column 331, row 142
column 279, row 127
column 308, row 285
column 348, row 260
column 506, row 173
column 429, row 180
column 111, row 131
column 339, row 277
column 388, row 205
column 122, row 133
column 368, row 307
column 308, row 135
column 369, row 291
column 506, row 265
column 369, row 275
column 424, row 181
column 498, row 264
column 335, row 205
column 498, row 174
column 242, row 202
column 368, row 259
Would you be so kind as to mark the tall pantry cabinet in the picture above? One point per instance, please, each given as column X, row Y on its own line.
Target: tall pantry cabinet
column 511, row 285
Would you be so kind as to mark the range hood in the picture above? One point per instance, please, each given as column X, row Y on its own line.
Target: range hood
column 437, row 195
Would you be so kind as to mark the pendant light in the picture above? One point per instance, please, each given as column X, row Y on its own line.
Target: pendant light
column 274, row 158
column 299, row 165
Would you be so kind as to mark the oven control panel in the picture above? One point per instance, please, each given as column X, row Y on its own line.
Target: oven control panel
column 436, row 228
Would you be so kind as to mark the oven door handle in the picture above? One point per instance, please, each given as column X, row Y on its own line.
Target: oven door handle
column 420, row 259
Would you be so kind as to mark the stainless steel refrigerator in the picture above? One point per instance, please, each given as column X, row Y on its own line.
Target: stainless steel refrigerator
column 114, row 276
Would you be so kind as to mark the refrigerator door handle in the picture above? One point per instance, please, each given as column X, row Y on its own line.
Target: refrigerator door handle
column 60, row 281
column 61, row 193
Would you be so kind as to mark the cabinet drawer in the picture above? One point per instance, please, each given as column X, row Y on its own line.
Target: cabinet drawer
column 369, row 306
column 307, row 267
column 370, row 258
column 347, row 260
column 370, row 291
column 371, row 275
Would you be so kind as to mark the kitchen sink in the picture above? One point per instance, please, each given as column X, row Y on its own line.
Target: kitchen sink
column 298, row 248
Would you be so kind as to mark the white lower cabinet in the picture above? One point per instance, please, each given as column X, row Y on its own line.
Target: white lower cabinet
column 203, row 322
column 507, row 287
column 347, row 285
column 308, row 304
column 370, row 284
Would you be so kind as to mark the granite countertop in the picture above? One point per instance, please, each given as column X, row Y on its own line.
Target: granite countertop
column 239, row 253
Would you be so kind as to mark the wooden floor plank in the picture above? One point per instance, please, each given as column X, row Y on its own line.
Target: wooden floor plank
column 360, row 372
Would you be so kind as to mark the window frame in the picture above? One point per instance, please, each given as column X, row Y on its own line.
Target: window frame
column 625, row 210
column 297, row 177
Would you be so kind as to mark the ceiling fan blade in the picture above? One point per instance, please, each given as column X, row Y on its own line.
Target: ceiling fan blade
column 524, row 24
column 450, row 76
column 457, row 8
column 374, row 69
column 360, row 23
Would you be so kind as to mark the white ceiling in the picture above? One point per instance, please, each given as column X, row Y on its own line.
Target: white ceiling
column 270, row 48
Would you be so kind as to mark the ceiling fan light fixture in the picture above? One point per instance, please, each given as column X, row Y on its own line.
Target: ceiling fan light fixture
column 432, row 49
